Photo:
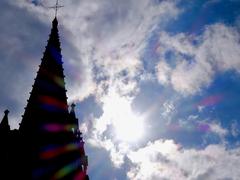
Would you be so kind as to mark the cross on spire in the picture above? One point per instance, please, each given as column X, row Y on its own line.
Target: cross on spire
column 56, row 7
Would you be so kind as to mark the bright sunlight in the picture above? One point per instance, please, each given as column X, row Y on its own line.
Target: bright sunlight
column 128, row 126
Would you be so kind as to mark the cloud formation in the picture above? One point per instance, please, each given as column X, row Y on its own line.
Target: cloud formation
column 164, row 159
column 198, row 58
column 108, row 37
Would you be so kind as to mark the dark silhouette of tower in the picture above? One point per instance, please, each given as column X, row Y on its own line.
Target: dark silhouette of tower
column 48, row 144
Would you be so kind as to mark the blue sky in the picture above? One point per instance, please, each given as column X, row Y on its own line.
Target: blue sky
column 156, row 83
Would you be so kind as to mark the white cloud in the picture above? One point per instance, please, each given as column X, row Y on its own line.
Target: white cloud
column 168, row 108
column 167, row 160
column 163, row 72
column 116, row 152
column 221, row 47
column 198, row 58
column 218, row 129
column 189, row 79
column 235, row 128
column 108, row 35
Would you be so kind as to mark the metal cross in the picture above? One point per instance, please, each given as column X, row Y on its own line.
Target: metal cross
column 56, row 7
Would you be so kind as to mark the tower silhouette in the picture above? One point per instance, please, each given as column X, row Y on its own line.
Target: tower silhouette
column 48, row 144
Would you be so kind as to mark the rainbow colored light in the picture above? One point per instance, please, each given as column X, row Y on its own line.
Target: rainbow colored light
column 48, row 101
column 67, row 170
column 57, row 151
column 80, row 175
column 57, row 79
column 200, row 127
column 55, row 128
column 211, row 100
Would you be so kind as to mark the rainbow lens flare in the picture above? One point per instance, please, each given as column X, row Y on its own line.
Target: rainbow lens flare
column 190, row 127
column 211, row 100
column 67, row 169
column 55, row 128
column 55, row 54
column 52, row 103
column 57, row 151
column 56, row 79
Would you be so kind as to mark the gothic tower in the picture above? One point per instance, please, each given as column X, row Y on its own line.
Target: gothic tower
column 49, row 142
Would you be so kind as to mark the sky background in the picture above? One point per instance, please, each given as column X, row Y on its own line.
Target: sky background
column 156, row 82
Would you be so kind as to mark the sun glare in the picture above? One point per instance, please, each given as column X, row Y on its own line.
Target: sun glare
column 128, row 126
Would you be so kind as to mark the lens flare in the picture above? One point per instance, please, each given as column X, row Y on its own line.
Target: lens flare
column 55, row 128
column 52, row 103
column 57, row 151
column 203, row 127
column 211, row 100
column 59, row 81
column 56, row 54
column 80, row 176
column 190, row 127
column 67, row 169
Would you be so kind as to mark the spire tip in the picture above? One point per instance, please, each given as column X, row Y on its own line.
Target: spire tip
column 6, row 112
column 73, row 105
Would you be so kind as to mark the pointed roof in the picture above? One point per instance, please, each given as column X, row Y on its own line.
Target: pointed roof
column 48, row 94
column 46, row 126
column 4, row 125
column 73, row 117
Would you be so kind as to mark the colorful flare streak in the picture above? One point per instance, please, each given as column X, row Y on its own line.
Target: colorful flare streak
column 211, row 100
column 56, row 79
column 193, row 127
column 55, row 128
column 55, row 54
column 54, row 152
column 52, row 103
column 59, row 81
column 69, row 169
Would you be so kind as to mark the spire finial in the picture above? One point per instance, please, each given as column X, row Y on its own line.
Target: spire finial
column 56, row 7
column 4, row 126
column 73, row 105
column 6, row 112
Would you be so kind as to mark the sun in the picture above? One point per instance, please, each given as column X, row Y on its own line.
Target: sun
column 128, row 126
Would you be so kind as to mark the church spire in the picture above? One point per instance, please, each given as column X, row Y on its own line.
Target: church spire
column 73, row 117
column 48, row 95
column 4, row 125
column 50, row 143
